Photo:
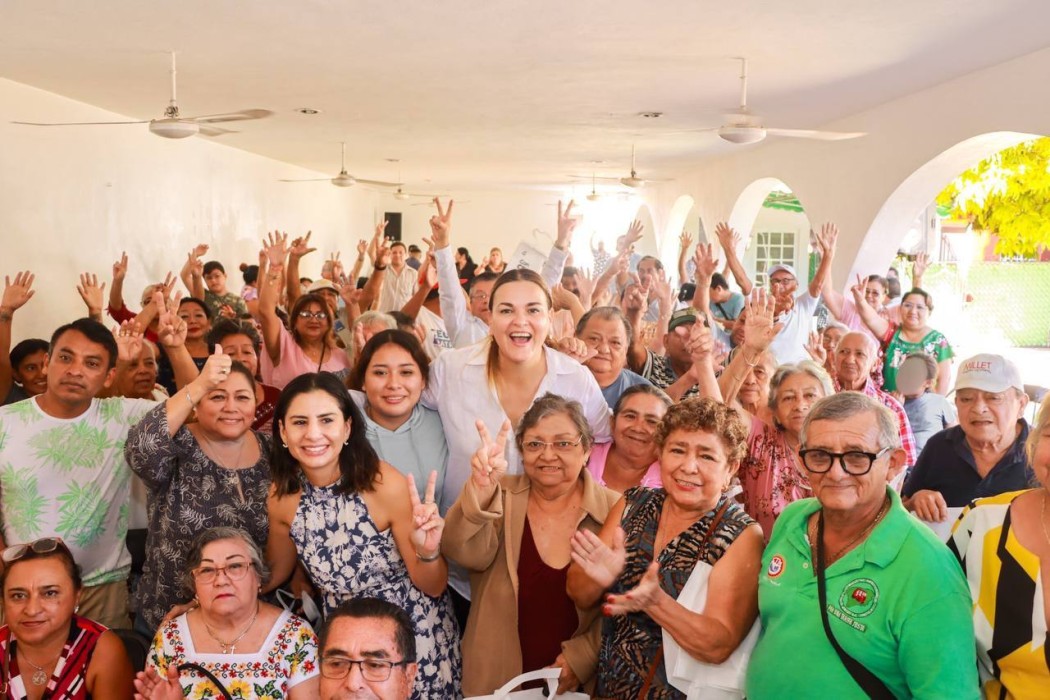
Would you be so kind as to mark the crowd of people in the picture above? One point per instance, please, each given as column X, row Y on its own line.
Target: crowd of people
column 427, row 476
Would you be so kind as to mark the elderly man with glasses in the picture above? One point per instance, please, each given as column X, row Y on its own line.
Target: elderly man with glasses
column 368, row 650
column 857, row 599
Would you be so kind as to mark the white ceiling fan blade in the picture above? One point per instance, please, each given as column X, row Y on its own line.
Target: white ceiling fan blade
column 243, row 115
column 316, row 179
column 595, row 177
column 378, row 183
column 146, row 121
column 816, row 134
column 216, row 131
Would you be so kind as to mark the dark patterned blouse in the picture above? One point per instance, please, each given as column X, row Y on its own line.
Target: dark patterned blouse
column 188, row 493
column 630, row 642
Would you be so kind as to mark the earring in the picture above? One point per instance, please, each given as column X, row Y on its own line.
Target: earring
column 347, row 441
column 284, row 445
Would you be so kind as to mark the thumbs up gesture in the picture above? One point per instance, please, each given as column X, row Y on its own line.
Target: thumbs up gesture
column 216, row 369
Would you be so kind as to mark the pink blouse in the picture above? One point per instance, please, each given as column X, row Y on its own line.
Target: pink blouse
column 596, row 466
column 769, row 476
column 295, row 362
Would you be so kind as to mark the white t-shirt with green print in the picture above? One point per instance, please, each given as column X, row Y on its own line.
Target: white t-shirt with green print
column 68, row 477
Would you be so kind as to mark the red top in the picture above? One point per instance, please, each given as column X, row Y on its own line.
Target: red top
column 546, row 615
column 68, row 680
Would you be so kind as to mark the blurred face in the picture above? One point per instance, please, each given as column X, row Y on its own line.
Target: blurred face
column 521, row 320
column 675, row 345
column 559, row 462
column 480, row 292
column 314, row 430
column 393, row 383
column 569, row 283
column 695, row 469
column 144, row 372
column 754, row 391
column 783, row 285
column 216, row 281
column 313, row 321
column 608, row 338
column 241, row 348
column 197, row 323
column 495, row 257
column 397, row 256
column 989, row 418
column 914, row 312
column 225, row 581
column 331, row 298
column 853, row 359
column 359, row 639
column 646, row 270
column 720, row 295
column 875, row 294
column 830, row 340
column 227, row 411
column 838, row 490
column 78, row 370
column 795, row 397
column 635, row 425
column 39, row 598
column 31, row 373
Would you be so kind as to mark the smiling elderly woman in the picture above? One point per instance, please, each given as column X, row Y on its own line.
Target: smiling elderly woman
column 887, row 613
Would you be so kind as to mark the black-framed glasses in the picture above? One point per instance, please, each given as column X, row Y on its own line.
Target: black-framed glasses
column 235, row 571
column 337, row 668
column 45, row 545
column 853, row 462
column 537, row 446
column 319, row 315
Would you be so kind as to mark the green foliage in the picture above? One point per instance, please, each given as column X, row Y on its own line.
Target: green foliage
column 1008, row 193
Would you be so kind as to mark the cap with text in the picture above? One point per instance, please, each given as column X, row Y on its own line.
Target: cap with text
column 988, row 372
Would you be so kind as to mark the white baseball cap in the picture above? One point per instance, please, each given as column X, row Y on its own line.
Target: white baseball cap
column 781, row 268
column 987, row 372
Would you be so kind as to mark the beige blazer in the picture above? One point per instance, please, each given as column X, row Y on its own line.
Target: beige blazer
column 486, row 539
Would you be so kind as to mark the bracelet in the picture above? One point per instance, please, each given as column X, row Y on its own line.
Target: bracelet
column 751, row 364
column 432, row 558
column 380, row 267
column 189, row 397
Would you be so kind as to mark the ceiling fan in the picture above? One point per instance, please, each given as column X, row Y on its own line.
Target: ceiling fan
column 174, row 126
column 631, row 180
column 345, row 179
column 743, row 127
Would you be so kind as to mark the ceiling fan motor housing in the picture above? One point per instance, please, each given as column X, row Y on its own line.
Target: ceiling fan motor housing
column 173, row 128
column 741, row 134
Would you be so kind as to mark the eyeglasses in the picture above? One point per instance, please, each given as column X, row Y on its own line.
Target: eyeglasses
column 234, row 571
column 319, row 315
column 910, row 306
column 854, row 462
column 479, row 296
column 537, row 446
column 45, row 545
column 337, row 668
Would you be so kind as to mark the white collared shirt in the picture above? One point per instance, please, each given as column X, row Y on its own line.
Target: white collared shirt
column 397, row 289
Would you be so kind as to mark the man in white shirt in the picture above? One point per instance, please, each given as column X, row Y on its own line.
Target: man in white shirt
column 399, row 283
column 62, row 468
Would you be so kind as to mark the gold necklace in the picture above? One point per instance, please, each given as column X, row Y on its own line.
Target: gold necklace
column 40, row 676
column 231, row 646
column 883, row 509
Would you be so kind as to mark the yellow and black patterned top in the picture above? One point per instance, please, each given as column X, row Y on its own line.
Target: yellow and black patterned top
column 1013, row 650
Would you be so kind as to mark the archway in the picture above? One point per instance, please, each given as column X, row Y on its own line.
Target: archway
column 773, row 228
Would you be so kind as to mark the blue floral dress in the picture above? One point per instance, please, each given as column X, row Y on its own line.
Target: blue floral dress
column 348, row 557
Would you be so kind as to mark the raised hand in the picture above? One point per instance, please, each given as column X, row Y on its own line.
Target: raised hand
column 918, row 267
column 633, row 235
column 727, row 237
column 171, row 328
column 427, row 523
column 705, row 261
column 441, row 224
column 120, row 267
column 759, row 329
column 815, row 348
column 601, row 563
column 216, row 369
column 362, row 248
column 566, row 224
column 639, row 598
column 585, row 284
column 827, row 239
column 383, row 250
column 17, row 293
column 575, row 348
column 169, row 284
column 337, row 265
column 129, row 342
column 858, row 291
column 637, row 297
column 699, row 341
column 489, row 463
column 91, row 293
column 275, row 247
column 660, row 287
column 301, row 246
column 199, row 250
column 684, row 240
column 226, row 311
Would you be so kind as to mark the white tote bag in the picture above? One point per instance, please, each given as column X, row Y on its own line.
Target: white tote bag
column 548, row 674
column 699, row 680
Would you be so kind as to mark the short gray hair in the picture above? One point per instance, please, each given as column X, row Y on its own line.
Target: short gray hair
column 805, row 367
column 193, row 559
column 552, row 404
column 846, row 404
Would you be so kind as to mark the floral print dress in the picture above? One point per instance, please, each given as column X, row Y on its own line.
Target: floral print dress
column 287, row 658
column 348, row 557
column 770, row 476
column 897, row 350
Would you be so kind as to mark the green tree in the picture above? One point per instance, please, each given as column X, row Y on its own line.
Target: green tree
column 1008, row 194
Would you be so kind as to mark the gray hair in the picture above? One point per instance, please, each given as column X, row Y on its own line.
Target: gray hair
column 552, row 404
column 604, row 313
column 844, row 405
column 193, row 558
column 869, row 342
column 805, row 367
column 374, row 318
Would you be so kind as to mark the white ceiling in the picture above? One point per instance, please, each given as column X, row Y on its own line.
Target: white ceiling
column 470, row 93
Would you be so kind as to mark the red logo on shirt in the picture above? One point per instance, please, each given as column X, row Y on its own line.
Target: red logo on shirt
column 776, row 566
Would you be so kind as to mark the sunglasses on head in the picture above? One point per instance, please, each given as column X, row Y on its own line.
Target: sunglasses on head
column 45, row 545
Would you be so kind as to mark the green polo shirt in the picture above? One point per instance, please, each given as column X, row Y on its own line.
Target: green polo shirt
column 898, row 604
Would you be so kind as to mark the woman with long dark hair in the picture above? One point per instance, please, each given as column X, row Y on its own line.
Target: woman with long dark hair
column 358, row 526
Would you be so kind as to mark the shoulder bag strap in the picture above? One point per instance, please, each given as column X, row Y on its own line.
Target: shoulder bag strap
column 209, row 675
column 868, row 681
